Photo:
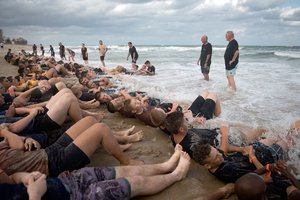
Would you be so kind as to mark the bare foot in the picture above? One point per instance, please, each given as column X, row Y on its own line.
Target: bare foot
column 183, row 166
column 99, row 116
column 95, row 104
column 125, row 132
column 138, row 136
column 11, row 111
column 171, row 164
column 124, row 147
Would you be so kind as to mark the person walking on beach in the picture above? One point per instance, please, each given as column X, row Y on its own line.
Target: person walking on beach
column 133, row 53
column 42, row 49
column 205, row 57
column 62, row 51
column 231, row 58
column 34, row 50
column 2, row 45
column 84, row 54
column 52, row 51
column 102, row 50
column 71, row 54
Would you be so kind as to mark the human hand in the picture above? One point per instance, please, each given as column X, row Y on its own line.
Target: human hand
column 199, row 120
column 248, row 150
column 29, row 142
column 281, row 168
column 36, row 110
column 230, row 62
column 37, row 188
column 25, row 177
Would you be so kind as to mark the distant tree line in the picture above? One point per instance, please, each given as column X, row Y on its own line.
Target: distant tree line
column 7, row 40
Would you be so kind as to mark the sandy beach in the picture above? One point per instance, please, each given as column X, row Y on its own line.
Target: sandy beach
column 154, row 148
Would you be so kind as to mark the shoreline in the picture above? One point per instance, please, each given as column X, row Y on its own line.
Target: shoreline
column 154, row 148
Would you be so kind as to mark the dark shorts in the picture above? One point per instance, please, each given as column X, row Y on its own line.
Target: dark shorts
column 102, row 58
column 63, row 155
column 95, row 183
column 87, row 96
column 85, row 58
column 203, row 107
column 205, row 70
column 44, row 123
column 267, row 154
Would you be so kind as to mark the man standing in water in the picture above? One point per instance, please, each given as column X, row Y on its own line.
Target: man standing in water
column 133, row 53
column 62, row 51
column 84, row 54
column 231, row 57
column 102, row 50
column 205, row 57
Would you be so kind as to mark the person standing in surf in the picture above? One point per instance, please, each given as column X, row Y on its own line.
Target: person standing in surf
column 205, row 57
column 231, row 58
column 133, row 53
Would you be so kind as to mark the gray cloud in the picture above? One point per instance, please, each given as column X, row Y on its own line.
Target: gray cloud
column 150, row 21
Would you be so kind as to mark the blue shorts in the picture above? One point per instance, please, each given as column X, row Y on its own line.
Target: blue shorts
column 231, row 72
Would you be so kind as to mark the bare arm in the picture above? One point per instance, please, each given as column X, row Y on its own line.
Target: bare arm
column 236, row 53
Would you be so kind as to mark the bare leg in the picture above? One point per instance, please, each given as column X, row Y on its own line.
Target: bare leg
column 124, row 132
column 204, row 94
column 89, row 140
column 250, row 134
column 56, row 97
column 231, row 82
column 99, row 115
column 66, row 105
column 216, row 99
column 158, row 183
column 206, row 77
column 150, row 170
column 136, row 137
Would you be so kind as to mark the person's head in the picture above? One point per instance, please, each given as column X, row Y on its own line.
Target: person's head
column 83, row 80
column 130, row 44
column 134, row 66
column 133, row 106
column 9, row 50
column 90, row 84
column 294, row 193
column 250, row 187
column 115, row 104
column 5, row 82
column 147, row 62
column 176, row 123
column 100, row 42
column 50, row 46
column 41, row 45
column 157, row 116
column 207, row 156
column 103, row 97
column 83, row 45
column 229, row 36
column 2, row 89
column 204, row 39
column 60, row 44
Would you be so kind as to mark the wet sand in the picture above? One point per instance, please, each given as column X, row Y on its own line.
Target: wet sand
column 154, row 148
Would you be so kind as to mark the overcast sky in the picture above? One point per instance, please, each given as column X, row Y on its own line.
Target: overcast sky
column 165, row 22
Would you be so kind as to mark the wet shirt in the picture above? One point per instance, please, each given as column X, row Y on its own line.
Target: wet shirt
column 133, row 50
column 236, row 165
column 205, row 50
column 197, row 136
column 231, row 48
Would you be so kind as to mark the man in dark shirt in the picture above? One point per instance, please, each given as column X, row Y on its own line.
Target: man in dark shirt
column 42, row 49
column 231, row 57
column 34, row 50
column 62, row 51
column 52, row 51
column 133, row 53
column 205, row 57
column 84, row 54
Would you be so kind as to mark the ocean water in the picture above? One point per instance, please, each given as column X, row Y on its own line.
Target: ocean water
column 268, row 82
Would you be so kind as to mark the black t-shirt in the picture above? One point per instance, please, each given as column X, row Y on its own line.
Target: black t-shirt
column 232, row 47
column 37, row 96
column 236, row 165
column 197, row 136
column 133, row 50
column 61, row 49
column 205, row 50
